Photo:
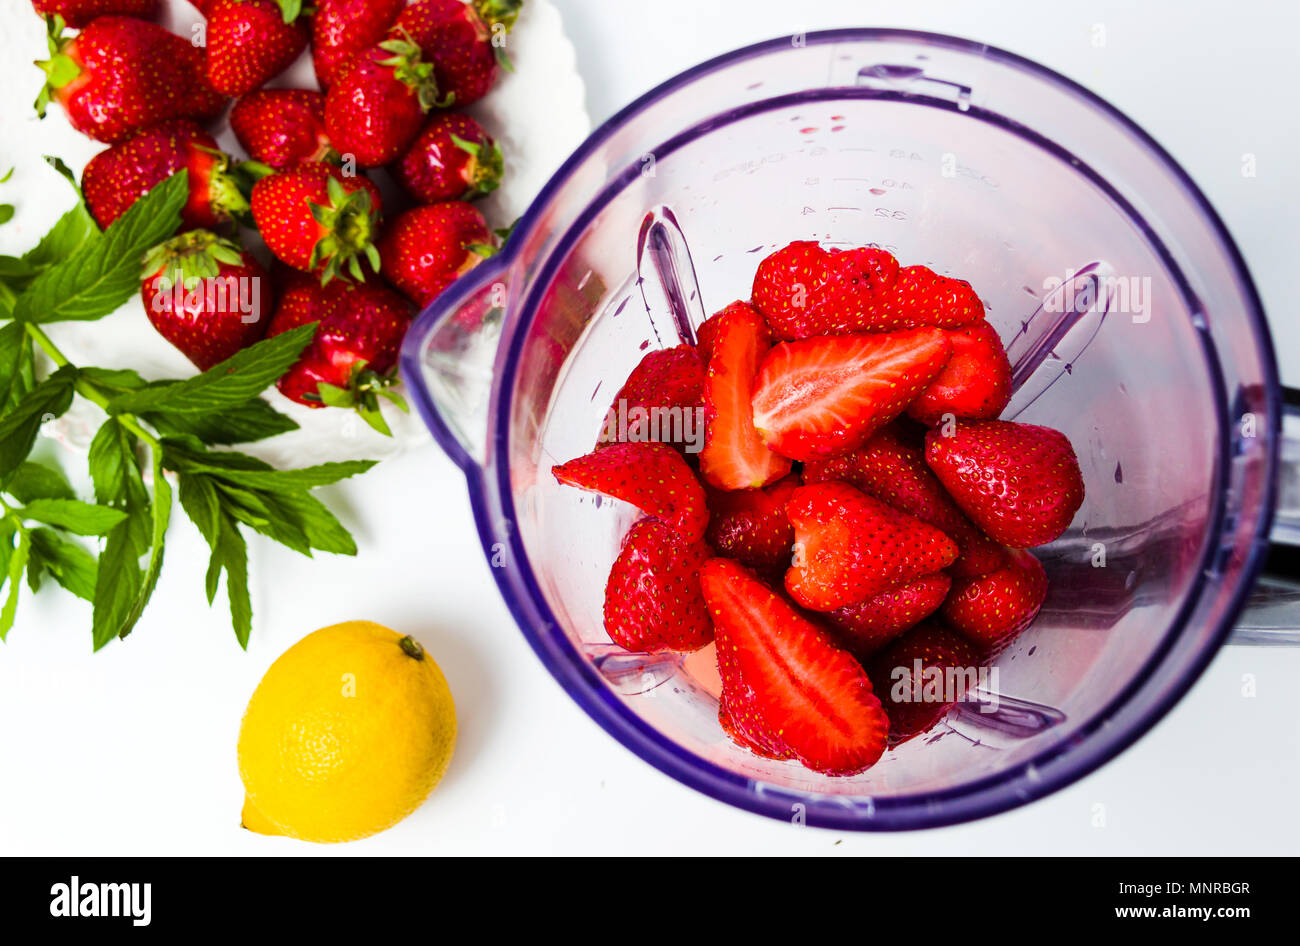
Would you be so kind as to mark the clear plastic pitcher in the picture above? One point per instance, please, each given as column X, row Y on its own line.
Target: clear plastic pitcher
column 1132, row 325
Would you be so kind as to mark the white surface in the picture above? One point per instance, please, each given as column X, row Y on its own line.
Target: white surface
column 536, row 112
column 132, row 750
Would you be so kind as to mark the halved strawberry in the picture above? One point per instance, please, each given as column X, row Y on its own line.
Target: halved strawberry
column 734, row 455
column 651, row 476
column 750, row 525
column 920, row 676
column 1020, row 483
column 654, row 402
column 850, row 547
column 785, row 684
column 804, row 290
column 866, row 627
column 822, row 397
column 765, row 749
column 892, row 469
column 653, row 601
column 992, row 610
column 976, row 382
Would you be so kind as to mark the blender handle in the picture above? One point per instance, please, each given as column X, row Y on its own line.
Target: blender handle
column 1272, row 613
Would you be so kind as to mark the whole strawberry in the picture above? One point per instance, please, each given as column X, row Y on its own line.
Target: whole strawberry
column 1020, row 483
column 77, row 13
column 376, row 105
column 206, row 296
column 121, row 74
column 282, row 127
column 318, row 220
column 115, row 178
column 426, row 248
column 351, row 361
column 464, row 40
column 252, row 41
column 452, row 158
column 342, row 28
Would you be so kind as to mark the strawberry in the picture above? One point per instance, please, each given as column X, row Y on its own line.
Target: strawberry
column 425, row 248
column 707, row 334
column 653, row 601
column 785, row 685
column 342, row 28
column 869, row 625
column 78, row 13
column 804, row 290
column 317, row 219
column 282, row 128
column 750, row 525
column 976, row 382
column 948, row 669
column 651, row 476
column 116, row 177
column 351, row 361
column 669, row 381
column 252, row 41
column 990, row 611
column 894, row 471
column 850, row 547
column 452, row 158
column 734, row 455
column 121, row 74
column 1020, row 483
column 376, row 104
column 206, row 296
column 766, row 750
column 465, row 41
column 822, row 397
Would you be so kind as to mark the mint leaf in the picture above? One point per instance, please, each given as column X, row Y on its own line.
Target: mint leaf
column 19, row 427
column 117, row 585
column 81, row 518
column 104, row 271
column 232, row 383
column 115, row 471
column 245, row 423
column 232, row 554
column 68, row 563
column 17, row 370
column 275, row 480
column 32, row 481
column 17, row 564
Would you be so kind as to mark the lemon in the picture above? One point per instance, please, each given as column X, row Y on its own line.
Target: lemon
column 347, row 734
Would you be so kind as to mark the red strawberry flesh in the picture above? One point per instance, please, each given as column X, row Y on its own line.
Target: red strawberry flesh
column 786, row 686
column 822, row 397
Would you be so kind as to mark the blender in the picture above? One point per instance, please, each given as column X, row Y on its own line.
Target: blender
column 1129, row 317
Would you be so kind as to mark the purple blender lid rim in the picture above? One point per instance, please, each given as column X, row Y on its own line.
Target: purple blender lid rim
column 1041, row 775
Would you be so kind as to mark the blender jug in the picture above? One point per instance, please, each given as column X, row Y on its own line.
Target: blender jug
column 1130, row 320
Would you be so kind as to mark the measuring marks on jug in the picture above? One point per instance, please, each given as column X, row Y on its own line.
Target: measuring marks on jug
column 1051, row 341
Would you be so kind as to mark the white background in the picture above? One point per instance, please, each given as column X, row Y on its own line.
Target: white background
column 131, row 750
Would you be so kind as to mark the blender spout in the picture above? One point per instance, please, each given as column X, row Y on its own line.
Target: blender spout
column 448, row 360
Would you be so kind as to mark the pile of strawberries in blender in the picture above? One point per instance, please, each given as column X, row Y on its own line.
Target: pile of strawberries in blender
column 392, row 79
column 857, row 512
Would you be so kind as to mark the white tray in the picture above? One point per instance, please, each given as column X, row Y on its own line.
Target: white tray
column 537, row 113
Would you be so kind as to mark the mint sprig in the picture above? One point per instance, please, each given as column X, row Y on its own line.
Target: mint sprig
column 110, row 551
